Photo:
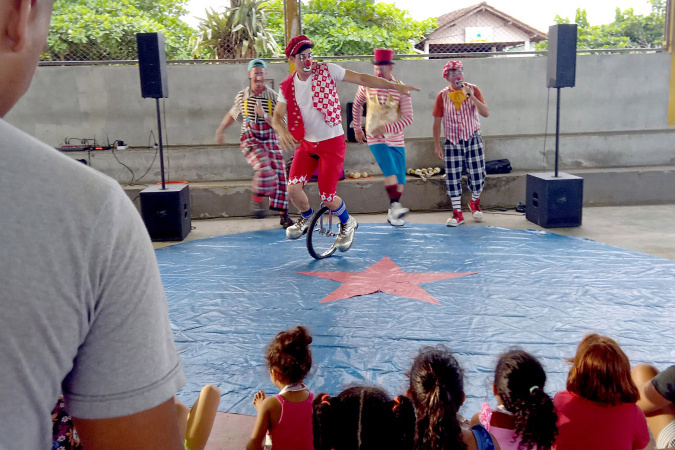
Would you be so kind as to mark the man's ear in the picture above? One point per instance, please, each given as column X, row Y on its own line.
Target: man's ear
column 17, row 22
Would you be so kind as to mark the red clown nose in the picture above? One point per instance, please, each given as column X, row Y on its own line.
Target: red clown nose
column 308, row 63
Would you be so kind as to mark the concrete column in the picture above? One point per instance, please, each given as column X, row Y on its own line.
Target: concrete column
column 670, row 29
column 292, row 22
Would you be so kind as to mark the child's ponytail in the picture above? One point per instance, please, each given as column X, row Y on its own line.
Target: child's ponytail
column 519, row 382
column 404, row 423
column 325, row 408
column 536, row 421
column 437, row 389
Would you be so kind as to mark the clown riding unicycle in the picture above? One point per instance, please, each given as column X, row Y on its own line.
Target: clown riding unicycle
column 309, row 99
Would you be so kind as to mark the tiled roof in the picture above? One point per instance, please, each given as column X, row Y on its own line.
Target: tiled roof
column 450, row 18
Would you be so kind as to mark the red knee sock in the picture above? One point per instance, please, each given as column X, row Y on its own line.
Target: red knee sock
column 394, row 194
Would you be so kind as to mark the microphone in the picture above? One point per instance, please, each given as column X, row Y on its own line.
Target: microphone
column 460, row 84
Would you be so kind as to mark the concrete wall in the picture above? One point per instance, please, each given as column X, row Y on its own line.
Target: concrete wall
column 616, row 116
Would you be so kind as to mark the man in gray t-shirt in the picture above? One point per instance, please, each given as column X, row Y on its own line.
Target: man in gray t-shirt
column 83, row 308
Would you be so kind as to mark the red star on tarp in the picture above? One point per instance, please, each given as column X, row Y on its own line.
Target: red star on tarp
column 383, row 276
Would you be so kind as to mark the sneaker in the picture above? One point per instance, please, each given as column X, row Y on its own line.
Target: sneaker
column 298, row 228
column 394, row 222
column 285, row 221
column 258, row 210
column 398, row 211
column 345, row 237
column 456, row 219
column 476, row 211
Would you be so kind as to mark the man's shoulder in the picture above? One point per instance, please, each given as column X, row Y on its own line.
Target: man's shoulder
column 271, row 92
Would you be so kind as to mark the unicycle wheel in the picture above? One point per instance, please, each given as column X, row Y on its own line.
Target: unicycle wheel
column 321, row 233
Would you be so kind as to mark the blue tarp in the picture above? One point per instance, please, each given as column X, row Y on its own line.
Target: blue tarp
column 229, row 295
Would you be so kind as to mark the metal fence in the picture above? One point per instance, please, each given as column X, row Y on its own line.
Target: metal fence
column 479, row 29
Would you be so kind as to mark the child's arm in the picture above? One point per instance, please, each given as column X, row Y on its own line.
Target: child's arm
column 262, row 422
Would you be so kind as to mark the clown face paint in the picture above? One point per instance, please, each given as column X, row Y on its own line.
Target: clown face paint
column 456, row 78
column 257, row 76
column 304, row 60
column 384, row 71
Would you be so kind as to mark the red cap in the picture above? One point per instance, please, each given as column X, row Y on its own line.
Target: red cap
column 383, row 56
column 451, row 65
column 296, row 45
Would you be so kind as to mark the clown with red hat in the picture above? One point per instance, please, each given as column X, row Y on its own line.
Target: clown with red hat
column 457, row 107
column 387, row 114
column 308, row 98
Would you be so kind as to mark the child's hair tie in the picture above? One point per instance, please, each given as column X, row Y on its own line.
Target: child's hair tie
column 397, row 403
column 533, row 388
column 324, row 399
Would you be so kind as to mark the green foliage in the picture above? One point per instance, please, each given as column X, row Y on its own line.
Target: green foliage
column 627, row 31
column 354, row 27
column 106, row 29
column 238, row 32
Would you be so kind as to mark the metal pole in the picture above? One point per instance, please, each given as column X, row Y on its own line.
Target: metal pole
column 161, row 149
column 557, row 131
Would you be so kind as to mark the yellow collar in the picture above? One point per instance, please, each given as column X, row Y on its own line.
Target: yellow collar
column 457, row 97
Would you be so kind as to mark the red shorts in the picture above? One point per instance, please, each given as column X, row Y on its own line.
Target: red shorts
column 328, row 156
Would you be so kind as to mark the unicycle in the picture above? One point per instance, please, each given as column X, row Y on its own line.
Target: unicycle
column 322, row 233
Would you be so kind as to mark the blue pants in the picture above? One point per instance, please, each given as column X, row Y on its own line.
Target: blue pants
column 391, row 160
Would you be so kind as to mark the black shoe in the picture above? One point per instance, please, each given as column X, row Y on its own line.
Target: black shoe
column 285, row 220
column 258, row 210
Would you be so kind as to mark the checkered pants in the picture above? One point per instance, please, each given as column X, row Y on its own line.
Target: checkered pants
column 260, row 145
column 464, row 155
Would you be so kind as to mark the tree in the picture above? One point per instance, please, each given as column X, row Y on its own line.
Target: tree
column 355, row 27
column 106, row 29
column 627, row 31
column 238, row 32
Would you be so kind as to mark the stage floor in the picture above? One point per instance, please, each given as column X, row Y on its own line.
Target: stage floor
column 493, row 288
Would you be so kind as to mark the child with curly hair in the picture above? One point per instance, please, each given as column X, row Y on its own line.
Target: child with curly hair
column 365, row 418
column 525, row 417
column 287, row 416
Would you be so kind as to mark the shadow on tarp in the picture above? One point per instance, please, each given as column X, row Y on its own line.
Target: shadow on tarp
column 229, row 295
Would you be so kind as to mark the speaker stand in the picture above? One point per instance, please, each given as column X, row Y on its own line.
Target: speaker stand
column 554, row 200
column 161, row 146
column 557, row 131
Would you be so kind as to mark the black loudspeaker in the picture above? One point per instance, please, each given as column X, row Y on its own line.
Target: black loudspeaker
column 166, row 212
column 561, row 65
column 152, row 65
column 554, row 202
column 350, row 119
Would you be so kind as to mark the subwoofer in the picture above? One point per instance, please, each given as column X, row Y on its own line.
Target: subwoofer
column 166, row 212
column 554, row 202
column 152, row 65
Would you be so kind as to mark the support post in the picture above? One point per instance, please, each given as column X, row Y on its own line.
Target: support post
column 161, row 147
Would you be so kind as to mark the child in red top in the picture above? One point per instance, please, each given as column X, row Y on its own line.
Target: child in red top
column 598, row 410
column 287, row 416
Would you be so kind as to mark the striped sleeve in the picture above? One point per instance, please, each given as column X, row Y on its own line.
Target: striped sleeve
column 357, row 107
column 405, row 103
column 236, row 110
